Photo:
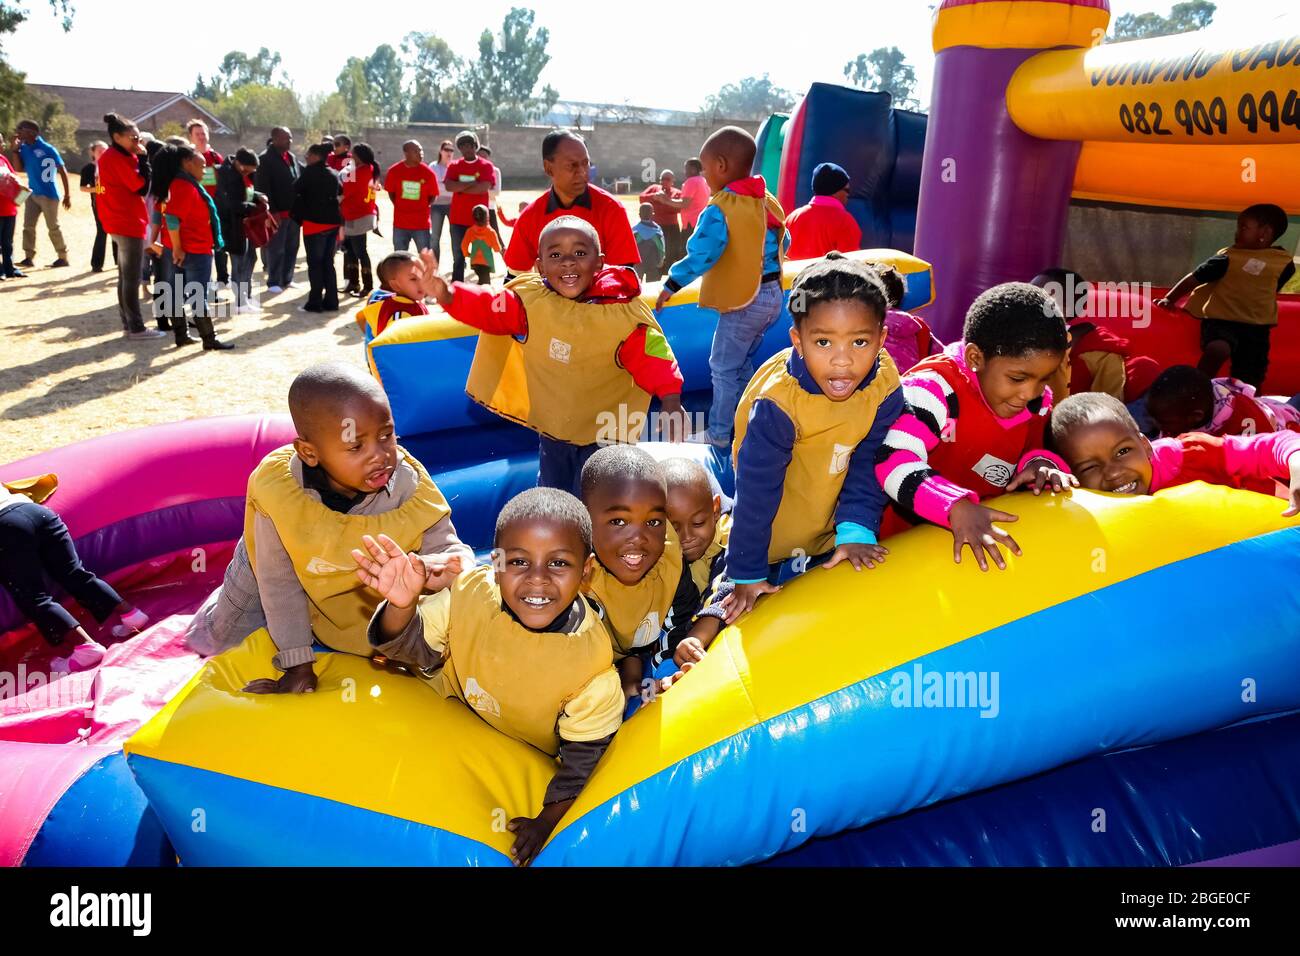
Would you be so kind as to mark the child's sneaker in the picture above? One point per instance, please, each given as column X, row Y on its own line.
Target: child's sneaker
column 85, row 657
column 133, row 622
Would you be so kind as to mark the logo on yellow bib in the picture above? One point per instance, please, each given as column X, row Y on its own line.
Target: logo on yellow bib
column 480, row 699
column 321, row 566
column 560, row 351
column 840, row 456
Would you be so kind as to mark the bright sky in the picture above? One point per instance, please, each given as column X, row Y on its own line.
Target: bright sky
column 597, row 52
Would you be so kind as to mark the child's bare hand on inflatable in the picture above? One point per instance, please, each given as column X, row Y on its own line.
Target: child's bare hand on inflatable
column 676, row 423
column 1040, row 473
column 1294, row 494
column 972, row 527
column 299, row 679
column 689, row 652
column 440, row 570
column 531, row 832
column 859, row 555
column 744, row 597
column 662, row 301
column 398, row 577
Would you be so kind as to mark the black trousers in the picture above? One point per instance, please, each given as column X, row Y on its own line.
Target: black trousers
column 101, row 242
column 34, row 542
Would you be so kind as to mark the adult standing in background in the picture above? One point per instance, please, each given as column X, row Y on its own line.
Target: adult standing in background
column 197, row 130
column 8, row 217
column 690, row 202
column 123, row 179
column 468, row 179
column 824, row 225
column 494, row 194
column 41, row 161
column 237, row 200
column 665, row 213
column 360, row 213
column 412, row 186
column 567, row 165
column 90, row 186
column 441, row 204
column 277, row 174
column 317, row 196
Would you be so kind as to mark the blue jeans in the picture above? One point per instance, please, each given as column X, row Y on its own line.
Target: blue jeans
column 324, row 292
column 241, row 274
column 404, row 237
column 280, row 255
column 731, row 360
column 165, row 300
column 457, row 254
column 438, row 218
column 559, row 464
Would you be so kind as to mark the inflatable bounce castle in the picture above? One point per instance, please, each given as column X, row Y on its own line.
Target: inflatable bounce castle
column 1088, row 706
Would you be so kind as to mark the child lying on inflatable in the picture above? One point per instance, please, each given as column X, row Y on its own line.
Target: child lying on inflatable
column 308, row 504
column 516, row 642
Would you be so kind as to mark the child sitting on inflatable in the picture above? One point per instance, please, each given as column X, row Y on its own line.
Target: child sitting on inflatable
column 1098, row 359
column 695, row 512
column 1097, row 435
column 1184, row 399
column 910, row 338
column 403, row 285
column 517, row 643
column 308, row 505
column 973, row 426
column 638, row 558
column 808, row 429
column 570, row 351
column 1234, row 294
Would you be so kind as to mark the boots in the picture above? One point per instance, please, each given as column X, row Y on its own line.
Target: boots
column 351, row 272
column 180, row 327
column 209, row 335
column 367, row 282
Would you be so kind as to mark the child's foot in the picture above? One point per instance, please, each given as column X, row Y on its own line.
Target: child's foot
column 133, row 622
column 86, row 656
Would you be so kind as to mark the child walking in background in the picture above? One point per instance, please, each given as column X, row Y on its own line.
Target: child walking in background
column 34, row 542
column 738, row 247
column 10, row 190
column 973, row 425
column 479, row 243
column 649, row 237
column 194, row 229
column 1234, row 294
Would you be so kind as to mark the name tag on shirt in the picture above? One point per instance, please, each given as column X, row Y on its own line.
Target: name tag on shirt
column 411, row 188
column 467, row 179
column 209, row 176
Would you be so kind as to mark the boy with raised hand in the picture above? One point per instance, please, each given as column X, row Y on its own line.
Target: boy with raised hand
column 308, row 504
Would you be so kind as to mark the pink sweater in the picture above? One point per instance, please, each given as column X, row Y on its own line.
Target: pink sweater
column 1235, row 460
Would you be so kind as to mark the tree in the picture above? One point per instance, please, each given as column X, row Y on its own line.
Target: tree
column 383, row 72
column 58, row 127
column 500, row 83
column 239, row 69
column 885, row 69
column 354, row 90
column 753, row 98
column 14, row 102
column 434, row 92
column 253, row 105
column 1183, row 18
column 328, row 114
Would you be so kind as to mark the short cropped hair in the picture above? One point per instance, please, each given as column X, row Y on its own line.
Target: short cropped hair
column 1013, row 319
column 1181, row 385
column 1083, row 409
column 1268, row 214
column 391, row 262
column 620, row 463
column 320, row 389
column 684, row 473
column 551, row 141
column 546, row 504
column 570, row 222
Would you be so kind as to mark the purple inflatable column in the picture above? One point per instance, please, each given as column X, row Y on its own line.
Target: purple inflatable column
column 994, row 201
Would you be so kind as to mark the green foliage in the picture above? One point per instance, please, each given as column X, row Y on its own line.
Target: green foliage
column 354, row 89
column 254, row 105
column 753, row 98
column 1183, row 18
column 383, row 72
column 885, row 69
column 434, row 94
column 499, row 84
column 15, row 104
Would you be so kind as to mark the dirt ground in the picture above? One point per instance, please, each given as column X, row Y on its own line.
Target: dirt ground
column 67, row 373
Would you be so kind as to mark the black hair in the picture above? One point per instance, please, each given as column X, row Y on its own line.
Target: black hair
column 29, row 124
column 389, row 263
column 685, row 472
column 620, row 463
column 835, row 278
column 551, row 142
column 324, row 388
column 1268, row 214
column 466, row 136
column 341, row 136
column 1013, row 319
column 736, row 144
column 893, row 281
column 366, row 157
column 117, row 123
column 570, row 222
column 1182, row 386
column 546, row 504
column 166, row 163
column 319, row 150
column 694, row 161
column 480, row 212
column 1083, row 409
column 246, row 156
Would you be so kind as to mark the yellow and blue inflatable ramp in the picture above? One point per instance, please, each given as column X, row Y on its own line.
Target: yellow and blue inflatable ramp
column 847, row 698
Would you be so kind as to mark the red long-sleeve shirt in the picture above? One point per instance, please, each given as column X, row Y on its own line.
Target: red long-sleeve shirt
column 503, row 313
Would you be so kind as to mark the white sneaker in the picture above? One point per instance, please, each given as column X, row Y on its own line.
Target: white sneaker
column 147, row 334
column 247, row 309
column 275, row 289
column 294, row 285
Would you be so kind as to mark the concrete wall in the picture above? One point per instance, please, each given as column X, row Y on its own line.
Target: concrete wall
column 636, row 150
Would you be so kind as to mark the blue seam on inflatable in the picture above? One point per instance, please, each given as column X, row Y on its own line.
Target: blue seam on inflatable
column 279, row 827
column 1049, row 670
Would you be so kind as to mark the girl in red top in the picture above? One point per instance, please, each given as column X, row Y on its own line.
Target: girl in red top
column 195, row 233
column 360, row 181
column 124, row 174
column 8, row 216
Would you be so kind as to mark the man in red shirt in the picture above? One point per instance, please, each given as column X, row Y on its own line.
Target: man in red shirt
column 565, row 159
column 469, row 180
column 661, row 196
column 412, row 185
column 197, row 131
column 824, row 225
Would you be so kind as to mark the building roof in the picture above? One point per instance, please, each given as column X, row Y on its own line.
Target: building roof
column 88, row 104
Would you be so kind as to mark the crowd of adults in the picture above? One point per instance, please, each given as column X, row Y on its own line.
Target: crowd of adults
column 273, row 200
